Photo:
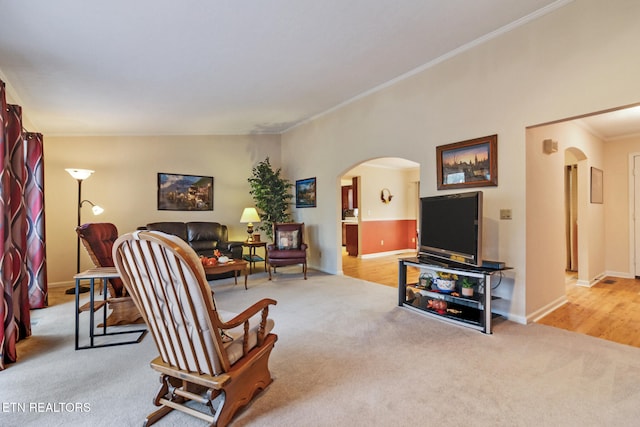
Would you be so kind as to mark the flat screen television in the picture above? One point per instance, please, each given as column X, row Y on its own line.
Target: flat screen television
column 451, row 228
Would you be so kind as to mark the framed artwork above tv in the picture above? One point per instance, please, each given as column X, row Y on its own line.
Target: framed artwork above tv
column 466, row 164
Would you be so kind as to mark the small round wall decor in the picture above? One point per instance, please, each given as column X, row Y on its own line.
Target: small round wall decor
column 385, row 196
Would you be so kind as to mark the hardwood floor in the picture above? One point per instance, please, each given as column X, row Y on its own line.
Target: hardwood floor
column 609, row 310
column 382, row 270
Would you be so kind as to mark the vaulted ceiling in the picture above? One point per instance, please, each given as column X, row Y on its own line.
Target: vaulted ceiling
column 197, row 67
column 152, row 67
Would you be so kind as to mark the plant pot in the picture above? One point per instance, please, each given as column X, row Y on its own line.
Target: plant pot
column 467, row 292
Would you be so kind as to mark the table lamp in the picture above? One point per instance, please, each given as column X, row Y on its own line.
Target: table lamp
column 249, row 216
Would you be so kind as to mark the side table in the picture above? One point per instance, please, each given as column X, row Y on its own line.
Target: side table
column 252, row 258
column 102, row 273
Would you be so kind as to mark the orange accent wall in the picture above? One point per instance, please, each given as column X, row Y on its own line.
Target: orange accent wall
column 387, row 235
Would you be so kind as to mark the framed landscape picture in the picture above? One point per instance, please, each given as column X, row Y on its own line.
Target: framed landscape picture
column 185, row 192
column 306, row 193
column 472, row 163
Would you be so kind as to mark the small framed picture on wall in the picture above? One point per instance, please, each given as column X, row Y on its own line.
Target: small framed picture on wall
column 306, row 193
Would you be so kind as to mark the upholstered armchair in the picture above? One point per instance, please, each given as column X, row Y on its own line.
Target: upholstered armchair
column 97, row 239
column 211, row 363
column 288, row 247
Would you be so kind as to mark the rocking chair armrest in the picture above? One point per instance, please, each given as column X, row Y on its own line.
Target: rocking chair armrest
column 248, row 313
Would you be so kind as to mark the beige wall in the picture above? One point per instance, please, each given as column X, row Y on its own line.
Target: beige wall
column 546, row 213
column 618, row 231
column 398, row 181
column 578, row 59
column 575, row 60
column 125, row 184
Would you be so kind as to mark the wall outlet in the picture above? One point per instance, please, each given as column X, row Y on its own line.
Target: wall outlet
column 381, row 242
column 505, row 214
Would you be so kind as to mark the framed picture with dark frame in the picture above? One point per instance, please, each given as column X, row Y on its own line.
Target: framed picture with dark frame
column 184, row 192
column 597, row 182
column 472, row 163
column 306, row 193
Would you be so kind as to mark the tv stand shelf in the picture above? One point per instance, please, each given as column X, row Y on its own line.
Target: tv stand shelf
column 473, row 311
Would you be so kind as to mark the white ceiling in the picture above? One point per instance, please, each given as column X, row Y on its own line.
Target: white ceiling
column 151, row 67
column 197, row 67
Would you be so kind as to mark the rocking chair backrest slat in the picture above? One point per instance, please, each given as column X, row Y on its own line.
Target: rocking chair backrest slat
column 167, row 282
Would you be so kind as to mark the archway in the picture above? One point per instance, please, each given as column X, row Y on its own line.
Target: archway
column 379, row 206
column 576, row 186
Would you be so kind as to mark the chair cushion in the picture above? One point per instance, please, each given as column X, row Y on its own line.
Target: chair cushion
column 287, row 240
column 234, row 348
column 287, row 254
column 205, row 231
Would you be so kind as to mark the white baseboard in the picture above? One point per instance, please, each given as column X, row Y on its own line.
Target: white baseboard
column 539, row 314
column 620, row 274
column 61, row 284
column 381, row 254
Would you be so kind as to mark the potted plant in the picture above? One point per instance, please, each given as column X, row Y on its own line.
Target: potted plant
column 467, row 287
column 271, row 196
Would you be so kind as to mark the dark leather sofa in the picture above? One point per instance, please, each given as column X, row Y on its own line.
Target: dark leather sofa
column 203, row 237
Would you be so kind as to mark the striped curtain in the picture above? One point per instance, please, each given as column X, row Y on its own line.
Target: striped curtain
column 34, row 203
column 21, row 226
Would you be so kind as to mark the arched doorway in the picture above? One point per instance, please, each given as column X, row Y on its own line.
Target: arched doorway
column 379, row 212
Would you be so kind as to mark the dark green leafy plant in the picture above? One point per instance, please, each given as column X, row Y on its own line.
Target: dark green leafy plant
column 271, row 194
column 466, row 283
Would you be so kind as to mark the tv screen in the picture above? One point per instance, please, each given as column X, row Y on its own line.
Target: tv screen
column 451, row 228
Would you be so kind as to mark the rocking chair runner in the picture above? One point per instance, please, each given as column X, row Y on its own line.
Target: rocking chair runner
column 203, row 358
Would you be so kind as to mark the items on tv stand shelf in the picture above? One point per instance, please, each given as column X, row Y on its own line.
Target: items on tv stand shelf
column 443, row 301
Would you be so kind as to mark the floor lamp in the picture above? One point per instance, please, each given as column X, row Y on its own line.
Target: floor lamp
column 80, row 175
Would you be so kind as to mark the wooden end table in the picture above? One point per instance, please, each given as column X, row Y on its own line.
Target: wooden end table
column 234, row 265
column 253, row 258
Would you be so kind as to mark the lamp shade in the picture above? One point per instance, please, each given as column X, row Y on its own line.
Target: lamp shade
column 80, row 173
column 249, row 215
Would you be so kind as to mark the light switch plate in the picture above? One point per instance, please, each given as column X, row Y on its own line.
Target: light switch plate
column 505, row 213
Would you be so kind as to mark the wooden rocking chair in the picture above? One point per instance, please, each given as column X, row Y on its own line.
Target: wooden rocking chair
column 220, row 364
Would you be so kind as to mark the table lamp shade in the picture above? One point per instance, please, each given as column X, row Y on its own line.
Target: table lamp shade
column 249, row 215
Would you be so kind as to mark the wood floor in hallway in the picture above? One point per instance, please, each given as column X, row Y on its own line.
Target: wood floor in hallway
column 609, row 310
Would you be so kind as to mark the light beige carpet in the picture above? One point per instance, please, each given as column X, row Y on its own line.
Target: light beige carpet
column 346, row 356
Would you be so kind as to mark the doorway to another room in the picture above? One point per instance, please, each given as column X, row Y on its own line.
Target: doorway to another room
column 379, row 200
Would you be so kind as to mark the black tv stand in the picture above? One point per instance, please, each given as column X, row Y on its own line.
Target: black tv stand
column 440, row 262
column 453, row 307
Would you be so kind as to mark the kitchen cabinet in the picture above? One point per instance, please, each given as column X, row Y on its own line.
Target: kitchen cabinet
column 351, row 236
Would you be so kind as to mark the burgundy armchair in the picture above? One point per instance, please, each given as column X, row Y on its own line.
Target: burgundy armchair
column 288, row 247
column 98, row 239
